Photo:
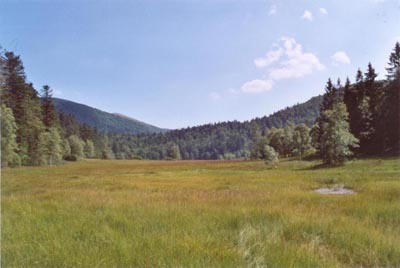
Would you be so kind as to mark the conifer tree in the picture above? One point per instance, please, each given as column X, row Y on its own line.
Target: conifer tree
column 360, row 120
column 394, row 63
column 49, row 113
column 329, row 99
column 391, row 104
column 14, row 89
column 350, row 98
column 373, row 91
column 339, row 91
column 330, row 96
column 24, row 102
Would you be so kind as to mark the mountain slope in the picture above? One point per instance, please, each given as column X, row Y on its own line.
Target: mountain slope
column 225, row 140
column 305, row 112
column 103, row 121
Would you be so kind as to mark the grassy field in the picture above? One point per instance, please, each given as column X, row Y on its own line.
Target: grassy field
column 98, row 213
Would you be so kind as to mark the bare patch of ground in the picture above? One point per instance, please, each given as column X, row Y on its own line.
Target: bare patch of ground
column 336, row 189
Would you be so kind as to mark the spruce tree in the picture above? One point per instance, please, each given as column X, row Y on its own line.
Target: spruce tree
column 329, row 99
column 391, row 104
column 24, row 102
column 374, row 143
column 360, row 120
column 339, row 92
column 330, row 96
column 49, row 113
column 14, row 88
column 394, row 63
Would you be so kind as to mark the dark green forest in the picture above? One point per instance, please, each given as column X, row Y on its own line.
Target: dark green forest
column 103, row 121
column 351, row 119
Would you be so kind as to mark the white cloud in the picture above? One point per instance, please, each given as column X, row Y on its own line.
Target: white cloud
column 323, row 11
column 272, row 10
column 214, row 96
column 285, row 61
column 307, row 15
column 257, row 86
column 297, row 64
column 271, row 57
column 341, row 57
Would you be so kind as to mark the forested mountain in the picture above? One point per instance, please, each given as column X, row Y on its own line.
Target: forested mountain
column 226, row 140
column 115, row 123
column 103, row 121
column 361, row 119
column 303, row 113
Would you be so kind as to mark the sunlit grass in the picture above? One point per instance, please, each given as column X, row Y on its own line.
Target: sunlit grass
column 200, row 214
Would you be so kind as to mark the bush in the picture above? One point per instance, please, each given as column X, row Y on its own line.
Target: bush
column 271, row 156
column 71, row 157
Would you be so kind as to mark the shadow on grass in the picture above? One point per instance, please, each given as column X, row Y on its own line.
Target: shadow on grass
column 378, row 158
column 321, row 166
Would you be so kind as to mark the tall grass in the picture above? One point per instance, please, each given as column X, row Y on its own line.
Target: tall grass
column 200, row 214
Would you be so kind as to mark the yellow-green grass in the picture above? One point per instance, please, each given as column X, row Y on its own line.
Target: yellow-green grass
column 103, row 213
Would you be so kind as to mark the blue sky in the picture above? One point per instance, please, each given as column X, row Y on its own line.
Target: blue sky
column 184, row 63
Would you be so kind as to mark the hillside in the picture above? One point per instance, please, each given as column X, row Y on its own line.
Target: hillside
column 103, row 121
column 225, row 140
column 305, row 113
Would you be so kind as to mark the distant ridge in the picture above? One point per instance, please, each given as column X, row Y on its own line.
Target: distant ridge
column 305, row 112
column 128, row 117
column 103, row 121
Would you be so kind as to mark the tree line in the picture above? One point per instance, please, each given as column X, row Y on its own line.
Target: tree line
column 359, row 119
column 32, row 131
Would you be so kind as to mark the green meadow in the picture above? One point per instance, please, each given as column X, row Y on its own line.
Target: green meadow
column 105, row 213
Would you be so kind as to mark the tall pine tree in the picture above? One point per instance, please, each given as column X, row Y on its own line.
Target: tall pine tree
column 24, row 102
column 373, row 91
column 328, row 101
column 391, row 104
column 49, row 113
